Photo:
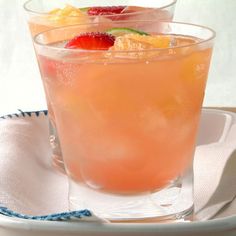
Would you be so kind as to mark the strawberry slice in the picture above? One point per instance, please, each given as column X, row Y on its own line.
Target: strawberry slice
column 111, row 10
column 91, row 41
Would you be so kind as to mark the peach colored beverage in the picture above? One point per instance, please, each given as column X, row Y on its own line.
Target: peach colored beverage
column 70, row 15
column 136, row 123
column 127, row 117
column 45, row 15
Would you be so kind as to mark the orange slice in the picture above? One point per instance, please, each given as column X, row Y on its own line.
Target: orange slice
column 67, row 15
column 140, row 42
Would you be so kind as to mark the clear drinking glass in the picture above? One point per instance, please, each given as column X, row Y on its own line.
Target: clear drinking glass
column 43, row 15
column 127, row 119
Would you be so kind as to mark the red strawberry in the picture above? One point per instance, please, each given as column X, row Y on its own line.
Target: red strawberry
column 92, row 41
column 96, row 11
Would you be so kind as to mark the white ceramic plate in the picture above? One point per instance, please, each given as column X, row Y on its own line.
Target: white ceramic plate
column 214, row 127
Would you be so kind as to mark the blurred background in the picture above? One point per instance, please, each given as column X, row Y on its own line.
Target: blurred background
column 20, row 84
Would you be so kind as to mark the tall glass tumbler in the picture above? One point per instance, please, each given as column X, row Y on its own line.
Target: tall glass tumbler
column 127, row 117
column 43, row 15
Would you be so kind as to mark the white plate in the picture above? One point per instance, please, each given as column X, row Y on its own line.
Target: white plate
column 214, row 127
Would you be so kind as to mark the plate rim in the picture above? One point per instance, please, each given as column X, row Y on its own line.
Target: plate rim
column 215, row 225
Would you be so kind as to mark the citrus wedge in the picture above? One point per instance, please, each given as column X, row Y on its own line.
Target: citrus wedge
column 140, row 42
column 123, row 31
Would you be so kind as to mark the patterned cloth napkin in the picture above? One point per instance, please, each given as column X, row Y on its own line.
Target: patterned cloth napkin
column 31, row 189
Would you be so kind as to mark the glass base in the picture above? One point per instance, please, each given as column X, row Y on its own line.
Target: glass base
column 173, row 203
column 186, row 216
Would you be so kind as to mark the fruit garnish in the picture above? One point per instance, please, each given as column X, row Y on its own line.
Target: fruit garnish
column 129, row 12
column 84, row 9
column 91, row 41
column 132, row 9
column 140, row 42
column 111, row 10
column 67, row 15
column 68, row 10
column 123, row 31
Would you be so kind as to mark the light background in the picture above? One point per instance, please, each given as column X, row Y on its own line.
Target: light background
column 20, row 85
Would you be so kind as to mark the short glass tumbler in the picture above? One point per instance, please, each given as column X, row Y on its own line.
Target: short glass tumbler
column 43, row 15
column 128, row 119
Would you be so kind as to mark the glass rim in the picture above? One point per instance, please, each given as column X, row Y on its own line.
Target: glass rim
column 210, row 38
column 172, row 3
